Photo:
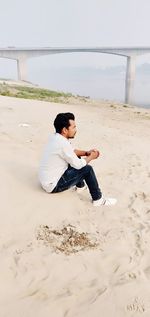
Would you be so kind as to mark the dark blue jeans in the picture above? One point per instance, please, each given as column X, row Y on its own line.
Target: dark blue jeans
column 73, row 177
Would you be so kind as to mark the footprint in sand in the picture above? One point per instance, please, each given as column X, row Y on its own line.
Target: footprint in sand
column 138, row 200
column 127, row 277
column 147, row 272
column 134, row 165
column 136, row 305
column 97, row 294
column 5, row 136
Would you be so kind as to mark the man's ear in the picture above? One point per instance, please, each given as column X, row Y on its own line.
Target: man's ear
column 64, row 131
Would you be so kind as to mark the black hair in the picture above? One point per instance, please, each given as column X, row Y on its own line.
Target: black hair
column 62, row 121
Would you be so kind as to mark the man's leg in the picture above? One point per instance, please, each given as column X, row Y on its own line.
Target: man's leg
column 80, row 184
column 72, row 177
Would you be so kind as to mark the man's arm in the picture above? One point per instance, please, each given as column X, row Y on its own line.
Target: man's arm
column 90, row 155
column 85, row 153
column 71, row 157
column 80, row 152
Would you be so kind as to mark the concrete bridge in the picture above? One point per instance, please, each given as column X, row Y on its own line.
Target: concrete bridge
column 22, row 54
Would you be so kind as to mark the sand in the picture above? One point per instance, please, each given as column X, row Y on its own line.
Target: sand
column 60, row 256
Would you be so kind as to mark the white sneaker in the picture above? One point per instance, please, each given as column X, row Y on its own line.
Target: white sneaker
column 80, row 189
column 104, row 201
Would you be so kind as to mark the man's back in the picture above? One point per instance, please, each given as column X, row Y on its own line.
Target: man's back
column 53, row 165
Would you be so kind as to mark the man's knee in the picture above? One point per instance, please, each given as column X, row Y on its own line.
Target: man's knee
column 88, row 168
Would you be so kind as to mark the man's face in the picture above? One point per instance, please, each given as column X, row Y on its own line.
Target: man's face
column 71, row 131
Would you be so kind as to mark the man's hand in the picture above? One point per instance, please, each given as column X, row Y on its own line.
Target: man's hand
column 93, row 150
column 94, row 155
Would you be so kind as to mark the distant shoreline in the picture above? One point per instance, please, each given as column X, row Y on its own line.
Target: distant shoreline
column 28, row 90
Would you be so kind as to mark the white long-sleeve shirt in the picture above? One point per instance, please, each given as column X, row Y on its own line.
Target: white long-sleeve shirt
column 58, row 154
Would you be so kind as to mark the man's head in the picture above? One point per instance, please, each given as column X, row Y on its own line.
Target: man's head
column 64, row 124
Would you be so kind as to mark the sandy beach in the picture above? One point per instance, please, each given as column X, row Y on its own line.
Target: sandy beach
column 60, row 256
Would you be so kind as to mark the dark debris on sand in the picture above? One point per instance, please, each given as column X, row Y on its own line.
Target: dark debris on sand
column 66, row 240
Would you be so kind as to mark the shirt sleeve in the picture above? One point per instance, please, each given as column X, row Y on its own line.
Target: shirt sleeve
column 71, row 158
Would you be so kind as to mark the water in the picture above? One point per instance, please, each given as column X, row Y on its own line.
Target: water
column 94, row 83
column 99, row 83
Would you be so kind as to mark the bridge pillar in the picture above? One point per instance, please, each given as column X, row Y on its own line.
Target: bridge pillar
column 22, row 68
column 130, row 77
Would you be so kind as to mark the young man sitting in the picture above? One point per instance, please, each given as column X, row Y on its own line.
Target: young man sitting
column 62, row 167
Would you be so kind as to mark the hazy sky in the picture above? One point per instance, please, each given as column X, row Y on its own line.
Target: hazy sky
column 75, row 23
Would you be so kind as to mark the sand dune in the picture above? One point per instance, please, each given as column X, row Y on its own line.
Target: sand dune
column 60, row 256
